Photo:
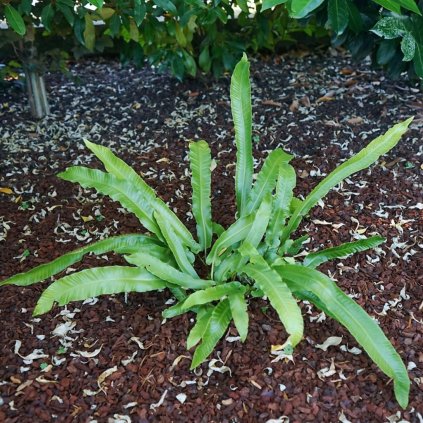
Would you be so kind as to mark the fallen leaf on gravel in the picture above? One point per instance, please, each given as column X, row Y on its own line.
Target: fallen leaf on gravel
column 24, row 385
column 232, row 338
column 6, row 191
column 342, row 418
column 353, row 350
column 327, row 371
column 294, row 106
column 281, row 419
column 130, row 404
column 324, row 98
column 62, row 329
column 181, row 397
column 35, row 355
column 118, row 418
column 355, row 120
column 89, row 393
column 176, row 361
column 138, row 342
column 254, row 383
column 218, row 369
column 129, row 360
column 87, row 354
column 331, row 341
column 105, row 375
column 160, row 402
column 271, row 103
column 42, row 379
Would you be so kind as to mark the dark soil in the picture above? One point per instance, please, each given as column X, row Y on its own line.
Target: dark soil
column 321, row 108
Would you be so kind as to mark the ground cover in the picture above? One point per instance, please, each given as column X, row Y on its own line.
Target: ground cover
column 317, row 107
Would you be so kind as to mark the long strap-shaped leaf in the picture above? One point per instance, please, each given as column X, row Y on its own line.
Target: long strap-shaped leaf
column 284, row 192
column 97, row 281
column 234, row 262
column 361, row 160
column 150, row 201
column 364, row 329
column 242, row 116
column 316, row 259
column 216, row 327
column 200, row 161
column 213, row 293
column 197, row 332
column 280, row 297
column 266, row 178
column 123, row 244
column 120, row 190
column 235, row 233
column 239, row 312
column 166, row 272
column 175, row 245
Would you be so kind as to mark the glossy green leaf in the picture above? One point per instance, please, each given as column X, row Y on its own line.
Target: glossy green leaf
column 241, row 113
column 67, row 12
column 166, row 5
column 338, row 15
column 301, row 8
column 355, row 20
column 175, row 245
column 215, row 293
column 166, row 272
column 410, row 5
column 14, row 19
column 215, row 329
column 266, row 178
column 360, row 161
column 280, row 297
column 200, row 161
column 254, row 236
column 139, row 11
column 268, row 4
column 124, row 244
column 344, row 250
column 97, row 281
column 97, row 3
column 239, row 313
column 364, row 329
column 197, row 332
column 392, row 5
column 235, row 233
column 243, row 5
column 284, row 192
column 125, row 192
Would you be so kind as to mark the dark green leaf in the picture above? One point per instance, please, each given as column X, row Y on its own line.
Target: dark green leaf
column 14, row 19
column 344, row 250
column 364, row 329
column 338, row 15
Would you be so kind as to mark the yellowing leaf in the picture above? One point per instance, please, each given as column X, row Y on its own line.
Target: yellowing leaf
column 106, row 12
column 6, row 190
column 89, row 33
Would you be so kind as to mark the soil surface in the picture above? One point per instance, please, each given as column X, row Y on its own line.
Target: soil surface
column 114, row 359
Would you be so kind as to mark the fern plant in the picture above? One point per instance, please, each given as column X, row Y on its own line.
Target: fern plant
column 255, row 256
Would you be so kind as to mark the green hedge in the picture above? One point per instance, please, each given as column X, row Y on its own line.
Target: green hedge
column 192, row 36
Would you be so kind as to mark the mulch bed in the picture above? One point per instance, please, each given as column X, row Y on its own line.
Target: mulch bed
column 114, row 359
